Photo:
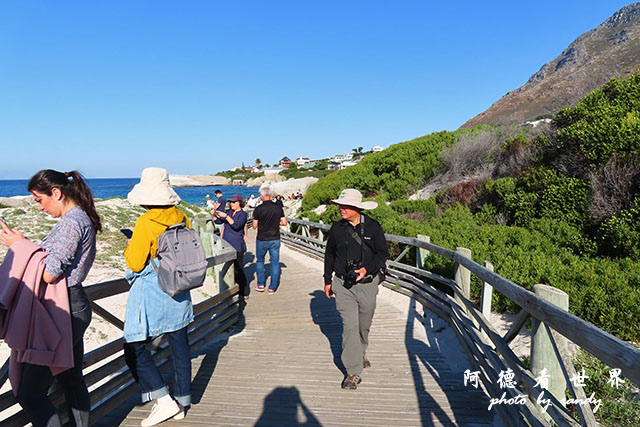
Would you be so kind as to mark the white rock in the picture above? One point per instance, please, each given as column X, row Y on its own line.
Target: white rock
column 293, row 185
column 197, row 180
column 17, row 201
column 257, row 182
column 320, row 209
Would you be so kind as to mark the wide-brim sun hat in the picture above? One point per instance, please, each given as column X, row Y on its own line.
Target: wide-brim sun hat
column 352, row 197
column 153, row 189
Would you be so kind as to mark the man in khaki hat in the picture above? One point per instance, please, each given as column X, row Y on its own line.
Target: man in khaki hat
column 356, row 252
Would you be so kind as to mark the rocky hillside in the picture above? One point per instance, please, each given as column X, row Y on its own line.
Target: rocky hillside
column 610, row 50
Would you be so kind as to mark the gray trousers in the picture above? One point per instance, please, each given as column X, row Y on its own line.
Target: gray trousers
column 356, row 307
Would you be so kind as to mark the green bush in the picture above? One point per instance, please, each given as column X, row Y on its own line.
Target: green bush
column 543, row 193
column 620, row 405
column 602, row 291
column 394, row 172
column 605, row 122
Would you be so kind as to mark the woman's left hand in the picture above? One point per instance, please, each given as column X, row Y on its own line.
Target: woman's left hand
column 9, row 235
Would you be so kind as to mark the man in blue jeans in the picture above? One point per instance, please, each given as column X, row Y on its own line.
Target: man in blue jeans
column 267, row 218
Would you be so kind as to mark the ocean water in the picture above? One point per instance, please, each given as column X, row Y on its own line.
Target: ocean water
column 120, row 187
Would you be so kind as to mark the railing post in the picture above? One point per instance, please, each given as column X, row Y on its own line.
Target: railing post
column 422, row 253
column 487, row 293
column 305, row 228
column 463, row 277
column 320, row 232
column 207, row 241
column 543, row 355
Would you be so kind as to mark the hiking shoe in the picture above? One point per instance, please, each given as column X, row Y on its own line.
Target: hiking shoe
column 271, row 292
column 161, row 413
column 260, row 288
column 351, row 382
column 365, row 362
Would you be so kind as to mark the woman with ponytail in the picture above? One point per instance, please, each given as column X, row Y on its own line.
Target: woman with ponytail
column 71, row 250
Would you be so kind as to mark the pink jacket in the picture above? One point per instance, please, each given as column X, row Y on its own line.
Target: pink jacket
column 34, row 317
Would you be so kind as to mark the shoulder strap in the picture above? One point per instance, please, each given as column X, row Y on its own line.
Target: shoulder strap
column 358, row 239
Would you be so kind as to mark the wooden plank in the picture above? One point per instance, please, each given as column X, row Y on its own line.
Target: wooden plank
column 107, row 316
column 518, row 323
column 568, row 370
column 487, row 294
column 557, row 411
column 606, row 347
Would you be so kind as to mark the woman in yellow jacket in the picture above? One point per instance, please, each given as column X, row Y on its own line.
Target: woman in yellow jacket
column 150, row 311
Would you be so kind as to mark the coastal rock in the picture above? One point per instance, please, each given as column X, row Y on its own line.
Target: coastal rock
column 320, row 209
column 17, row 201
column 293, row 185
column 198, row 180
column 257, row 182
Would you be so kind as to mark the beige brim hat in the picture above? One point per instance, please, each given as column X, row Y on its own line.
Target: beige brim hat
column 352, row 197
column 153, row 189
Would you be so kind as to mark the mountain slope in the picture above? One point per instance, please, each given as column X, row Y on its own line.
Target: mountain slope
column 610, row 50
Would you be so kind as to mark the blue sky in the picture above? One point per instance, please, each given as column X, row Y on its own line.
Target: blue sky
column 110, row 87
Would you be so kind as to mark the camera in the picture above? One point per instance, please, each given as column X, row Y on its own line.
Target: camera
column 350, row 274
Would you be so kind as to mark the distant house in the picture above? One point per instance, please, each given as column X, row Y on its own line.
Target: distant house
column 346, row 164
column 342, row 158
column 285, row 162
column 272, row 171
column 377, row 149
column 238, row 182
column 535, row 123
column 308, row 165
column 302, row 160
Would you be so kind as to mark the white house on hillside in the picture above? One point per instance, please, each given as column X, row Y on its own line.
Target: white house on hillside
column 272, row 171
column 342, row 158
column 377, row 149
column 302, row 160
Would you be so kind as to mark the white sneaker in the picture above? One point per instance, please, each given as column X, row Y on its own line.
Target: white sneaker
column 180, row 415
column 161, row 413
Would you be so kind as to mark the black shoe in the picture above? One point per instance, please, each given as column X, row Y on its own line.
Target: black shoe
column 351, row 382
column 365, row 362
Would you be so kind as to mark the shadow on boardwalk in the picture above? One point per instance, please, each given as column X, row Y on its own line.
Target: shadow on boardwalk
column 418, row 352
column 211, row 353
column 326, row 316
column 281, row 409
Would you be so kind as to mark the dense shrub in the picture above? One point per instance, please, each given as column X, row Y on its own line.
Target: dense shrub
column 602, row 291
column 544, row 193
column 605, row 122
column 394, row 172
column 426, row 207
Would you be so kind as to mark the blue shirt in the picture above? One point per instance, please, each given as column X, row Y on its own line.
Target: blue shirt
column 234, row 233
column 223, row 203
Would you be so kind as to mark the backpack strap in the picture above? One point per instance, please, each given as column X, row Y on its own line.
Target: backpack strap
column 175, row 228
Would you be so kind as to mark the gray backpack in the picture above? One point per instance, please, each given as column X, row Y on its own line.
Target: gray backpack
column 182, row 265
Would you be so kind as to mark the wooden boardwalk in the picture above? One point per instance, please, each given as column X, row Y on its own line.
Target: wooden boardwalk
column 281, row 365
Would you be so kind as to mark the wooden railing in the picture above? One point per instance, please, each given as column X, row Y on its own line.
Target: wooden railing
column 106, row 374
column 488, row 351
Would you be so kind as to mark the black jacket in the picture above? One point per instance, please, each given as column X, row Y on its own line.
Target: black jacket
column 341, row 246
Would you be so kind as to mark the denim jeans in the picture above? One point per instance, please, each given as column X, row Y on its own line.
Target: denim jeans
column 147, row 375
column 36, row 379
column 273, row 247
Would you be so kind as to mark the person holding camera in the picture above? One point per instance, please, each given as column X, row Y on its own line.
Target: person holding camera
column 356, row 252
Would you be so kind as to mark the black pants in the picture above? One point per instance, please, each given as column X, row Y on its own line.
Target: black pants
column 240, row 277
column 36, row 379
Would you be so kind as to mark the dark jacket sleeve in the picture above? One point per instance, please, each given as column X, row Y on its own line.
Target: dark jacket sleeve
column 379, row 246
column 329, row 255
column 238, row 221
